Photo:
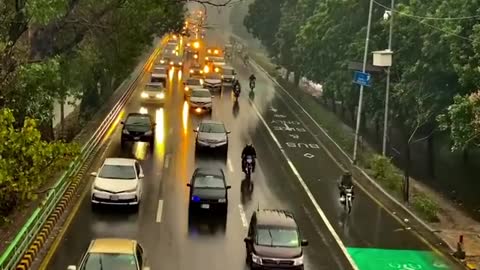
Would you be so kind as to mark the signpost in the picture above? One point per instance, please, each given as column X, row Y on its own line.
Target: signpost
column 362, row 78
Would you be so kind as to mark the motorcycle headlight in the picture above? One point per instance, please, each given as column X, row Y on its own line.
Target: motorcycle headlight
column 222, row 200
column 160, row 96
column 144, row 95
column 298, row 261
column 256, row 259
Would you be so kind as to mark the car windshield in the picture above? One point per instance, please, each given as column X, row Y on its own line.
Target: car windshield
column 208, row 181
column 212, row 128
column 228, row 72
column 138, row 120
column 160, row 70
column 277, row 237
column 108, row 261
column 212, row 75
column 217, row 59
column 201, row 94
column 157, row 80
column 154, row 88
column 193, row 82
column 124, row 172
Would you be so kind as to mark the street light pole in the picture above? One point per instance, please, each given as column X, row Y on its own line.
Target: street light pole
column 387, row 92
column 360, row 99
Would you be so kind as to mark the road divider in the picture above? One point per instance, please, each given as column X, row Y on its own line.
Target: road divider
column 26, row 245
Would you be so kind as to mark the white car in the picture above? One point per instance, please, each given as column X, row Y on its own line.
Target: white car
column 118, row 182
column 228, row 75
column 213, row 80
column 200, row 99
column 153, row 93
column 190, row 84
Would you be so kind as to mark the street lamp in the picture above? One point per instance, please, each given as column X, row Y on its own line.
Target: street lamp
column 386, row 16
column 360, row 99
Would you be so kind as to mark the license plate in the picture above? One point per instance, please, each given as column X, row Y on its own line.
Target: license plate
column 212, row 146
column 114, row 197
column 136, row 138
column 205, row 206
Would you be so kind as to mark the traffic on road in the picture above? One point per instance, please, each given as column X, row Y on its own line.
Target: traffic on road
column 212, row 168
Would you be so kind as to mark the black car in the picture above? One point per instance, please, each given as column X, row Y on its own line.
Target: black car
column 138, row 127
column 273, row 241
column 208, row 190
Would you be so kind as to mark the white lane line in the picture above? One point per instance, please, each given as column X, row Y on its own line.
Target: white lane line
column 159, row 211
column 167, row 161
column 230, row 166
column 307, row 190
column 243, row 216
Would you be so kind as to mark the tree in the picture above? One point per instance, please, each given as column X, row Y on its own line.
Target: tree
column 27, row 162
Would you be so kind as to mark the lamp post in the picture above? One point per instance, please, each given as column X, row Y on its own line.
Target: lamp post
column 387, row 91
column 360, row 99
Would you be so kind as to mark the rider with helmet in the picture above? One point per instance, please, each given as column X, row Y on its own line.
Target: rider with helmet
column 248, row 150
column 252, row 79
column 346, row 182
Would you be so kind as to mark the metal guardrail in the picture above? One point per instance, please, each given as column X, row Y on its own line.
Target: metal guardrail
column 22, row 241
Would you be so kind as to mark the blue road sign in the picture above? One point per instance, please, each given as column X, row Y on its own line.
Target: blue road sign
column 362, row 78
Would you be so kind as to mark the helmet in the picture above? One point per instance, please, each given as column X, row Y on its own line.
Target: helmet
column 249, row 144
column 347, row 174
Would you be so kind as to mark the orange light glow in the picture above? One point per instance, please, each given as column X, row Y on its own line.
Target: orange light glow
column 206, row 69
column 185, row 115
column 180, row 75
column 160, row 130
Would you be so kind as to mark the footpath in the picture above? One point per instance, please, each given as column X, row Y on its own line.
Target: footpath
column 454, row 227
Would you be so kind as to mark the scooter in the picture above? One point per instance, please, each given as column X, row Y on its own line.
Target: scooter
column 347, row 200
column 252, row 85
column 248, row 167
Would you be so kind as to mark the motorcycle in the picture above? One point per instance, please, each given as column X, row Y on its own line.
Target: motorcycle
column 248, row 167
column 236, row 91
column 252, row 85
column 347, row 199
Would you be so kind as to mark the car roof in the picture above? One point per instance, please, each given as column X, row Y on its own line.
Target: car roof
column 112, row 245
column 138, row 114
column 227, row 67
column 159, row 75
column 119, row 161
column 210, row 171
column 275, row 218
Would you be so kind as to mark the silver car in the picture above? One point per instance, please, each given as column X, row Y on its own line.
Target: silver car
column 211, row 135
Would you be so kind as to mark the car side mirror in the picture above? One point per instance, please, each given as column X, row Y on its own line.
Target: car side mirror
column 304, row 243
column 229, row 187
column 195, row 130
column 189, row 185
column 141, row 176
column 94, row 174
column 123, row 123
column 247, row 240
column 228, row 132
column 146, row 268
column 71, row 267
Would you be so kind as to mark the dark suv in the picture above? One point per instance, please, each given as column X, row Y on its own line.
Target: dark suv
column 273, row 241
column 138, row 127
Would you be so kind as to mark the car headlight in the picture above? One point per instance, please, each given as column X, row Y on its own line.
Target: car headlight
column 131, row 190
column 180, row 63
column 256, row 259
column 144, row 95
column 97, row 188
column 148, row 133
column 171, row 63
column 162, row 61
column 191, row 70
column 298, row 261
column 223, row 77
column 125, row 131
column 160, row 96
column 222, row 200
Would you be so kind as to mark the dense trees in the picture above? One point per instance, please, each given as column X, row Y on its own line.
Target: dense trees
column 436, row 57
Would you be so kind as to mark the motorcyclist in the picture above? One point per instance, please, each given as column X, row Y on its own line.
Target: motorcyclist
column 252, row 79
column 237, row 86
column 346, row 182
column 248, row 150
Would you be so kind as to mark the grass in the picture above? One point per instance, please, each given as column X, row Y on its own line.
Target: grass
column 380, row 168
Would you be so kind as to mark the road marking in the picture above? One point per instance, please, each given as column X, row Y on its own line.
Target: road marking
column 308, row 155
column 159, row 211
column 230, row 166
column 243, row 216
column 167, row 161
column 307, row 190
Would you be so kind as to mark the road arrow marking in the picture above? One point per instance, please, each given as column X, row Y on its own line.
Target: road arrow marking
column 308, row 155
column 295, row 136
column 280, row 116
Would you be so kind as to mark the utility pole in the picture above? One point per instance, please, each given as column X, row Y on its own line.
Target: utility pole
column 387, row 93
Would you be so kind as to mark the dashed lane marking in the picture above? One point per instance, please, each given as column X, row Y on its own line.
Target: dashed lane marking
column 243, row 216
column 159, row 211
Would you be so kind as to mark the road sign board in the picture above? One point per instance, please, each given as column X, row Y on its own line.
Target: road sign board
column 362, row 78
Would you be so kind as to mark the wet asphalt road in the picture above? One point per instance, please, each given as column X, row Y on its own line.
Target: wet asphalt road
column 173, row 241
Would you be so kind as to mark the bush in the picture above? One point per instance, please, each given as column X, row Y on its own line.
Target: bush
column 425, row 207
column 386, row 173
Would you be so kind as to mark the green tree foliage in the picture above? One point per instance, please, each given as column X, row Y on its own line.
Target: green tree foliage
column 436, row 45
column 27, row 163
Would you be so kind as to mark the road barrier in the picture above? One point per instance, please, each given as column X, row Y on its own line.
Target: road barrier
column 32, row 236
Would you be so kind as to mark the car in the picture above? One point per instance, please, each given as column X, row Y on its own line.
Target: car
column 163, row 61
column 190, row 84
column 153, row 93
column 196, row 70
column 211, row 134
column 118, row 182
column 159, row 79
column 214, row 51
column 215, row 61
column 200, row 99
column 160, row 69
column 228, row 75
column 113, row 254
column 171, row 48
column 208, row 190
column 138, row 127
column 273, row 240
column 213, row 81
column 176, row 61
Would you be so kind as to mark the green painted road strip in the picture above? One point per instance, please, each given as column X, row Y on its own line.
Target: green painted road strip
column 390, row 259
